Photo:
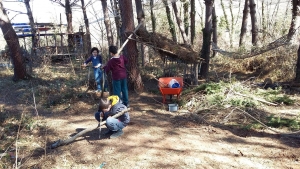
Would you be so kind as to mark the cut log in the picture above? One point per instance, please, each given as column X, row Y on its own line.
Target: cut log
column 69, row 140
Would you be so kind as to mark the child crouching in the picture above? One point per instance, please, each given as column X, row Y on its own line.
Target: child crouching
column 109, row 107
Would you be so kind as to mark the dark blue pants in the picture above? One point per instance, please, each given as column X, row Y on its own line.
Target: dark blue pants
column 120, row 88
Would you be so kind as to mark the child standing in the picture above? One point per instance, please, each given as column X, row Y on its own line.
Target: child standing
column 109, row 107
column 96, row 60
column 119, row 75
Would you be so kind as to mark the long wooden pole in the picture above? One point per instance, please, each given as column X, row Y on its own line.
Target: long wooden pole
column 121, row 48
column 69, row 140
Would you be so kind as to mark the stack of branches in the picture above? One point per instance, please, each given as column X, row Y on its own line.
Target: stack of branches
column 167, row 47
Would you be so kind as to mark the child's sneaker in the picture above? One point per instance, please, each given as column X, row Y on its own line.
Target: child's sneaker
column 117, row 134
column 109, row 132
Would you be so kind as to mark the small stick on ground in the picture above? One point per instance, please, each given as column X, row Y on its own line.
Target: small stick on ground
column 69, row 140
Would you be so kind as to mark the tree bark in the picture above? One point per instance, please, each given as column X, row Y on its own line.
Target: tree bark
column 87, row 28
column 32, row 25
column 107, row 23
column 153, row 18
column 227, row 23
column 69, row 24
column 297, row 79
column 215, row 29
column 117, row 21
column 170, row 21
column 244, row 23
column 295, row 20
column 141, row 20
column 130, row 50
column 253, row 22
column 205, row 52
column 193, row 13
column 186, row 16
column 12, row 41
column 179, row 23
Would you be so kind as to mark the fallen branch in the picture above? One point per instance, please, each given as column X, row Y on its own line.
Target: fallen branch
column 255, row 98
column 69, row 140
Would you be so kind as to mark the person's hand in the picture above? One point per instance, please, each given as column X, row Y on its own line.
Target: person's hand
column 84, row 65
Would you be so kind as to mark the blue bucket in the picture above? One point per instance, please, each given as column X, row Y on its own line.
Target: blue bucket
column 174, row 84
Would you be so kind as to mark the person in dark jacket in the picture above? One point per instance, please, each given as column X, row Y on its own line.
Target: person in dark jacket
column 116, row 65
column 96, row 60
column 109, row 107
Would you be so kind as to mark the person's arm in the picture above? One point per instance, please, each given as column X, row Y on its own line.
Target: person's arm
column 107, row 67
column 87, row 61
column 125, row 60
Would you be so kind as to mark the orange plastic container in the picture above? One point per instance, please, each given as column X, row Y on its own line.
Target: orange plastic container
column 165, row 90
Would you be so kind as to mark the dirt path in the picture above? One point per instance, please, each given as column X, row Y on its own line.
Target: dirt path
column 157, row 138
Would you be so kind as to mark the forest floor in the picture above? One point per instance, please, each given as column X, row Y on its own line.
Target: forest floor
column 155, row 137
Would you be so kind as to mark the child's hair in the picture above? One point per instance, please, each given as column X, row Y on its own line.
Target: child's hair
column 113, row 49
column 94, row 48
column 104, row 103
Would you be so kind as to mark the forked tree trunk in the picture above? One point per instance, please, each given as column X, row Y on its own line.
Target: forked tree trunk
column 87, row 44
column 107, row 23
column 295, row 20
column 205, row 52
column 130, row 50
column 244, row 23
column 253, row 22
column 180, row 24
column 12, row 41
column 170, row 21
column 193, row 13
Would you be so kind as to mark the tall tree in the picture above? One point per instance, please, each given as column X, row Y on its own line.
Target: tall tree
column 193, row 28
column 179, row 23
column 68, row 8
column 32, row 26
column 244, row 23
column 153, row 18
column 295, row 24
column 170, row 21
column 205, row 52
column 215, row 28
column 130, row 50
column 116, row 10
column 254, row 24
column 141, row 20
column 12, row 41
column 297, row 78
column 107, row 23
column 186, row 16
column 87, row 43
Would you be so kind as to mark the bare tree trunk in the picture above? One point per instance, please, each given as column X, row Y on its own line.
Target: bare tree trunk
column 117, row 21
column 170, row 20
column 33, row 32
column 141, row 19
column 227, row 23
column 263, row 22
column 193, row 30
column 253, row 22
column 179, row 23
column 107, row 23
column 153, row 18
column 69, row 26
column 186, row 16
column 215, row 28
column 244, row 23
column 12, row 41
column 130, row 50
column 87, row 28
column 295, row 20
column 297, row 79
column 205, row 52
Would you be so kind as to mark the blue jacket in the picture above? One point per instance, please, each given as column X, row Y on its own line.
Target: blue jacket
column 96, row 61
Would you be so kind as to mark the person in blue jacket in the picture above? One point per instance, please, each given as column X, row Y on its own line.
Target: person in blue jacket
column 96, row 60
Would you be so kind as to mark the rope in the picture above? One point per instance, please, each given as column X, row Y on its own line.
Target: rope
column 284, row 40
